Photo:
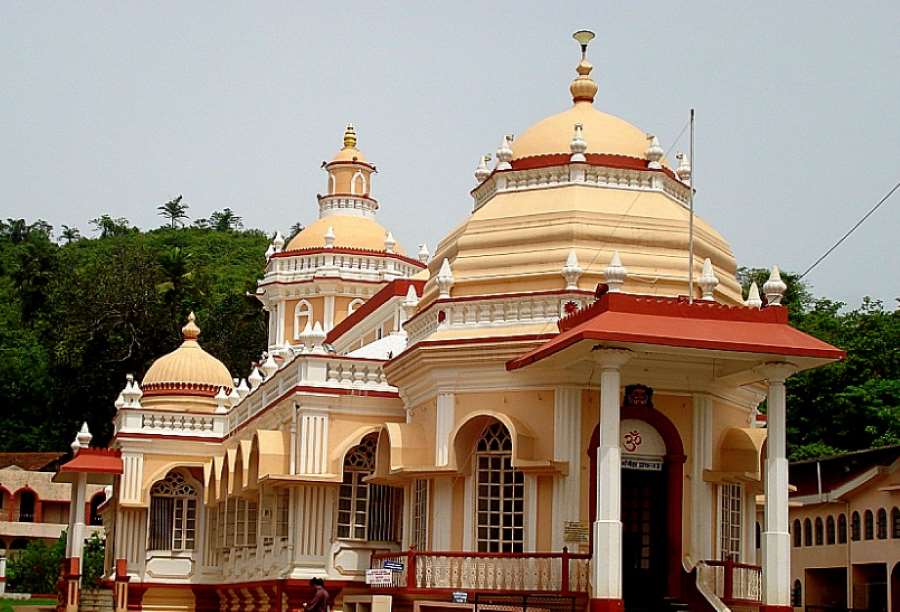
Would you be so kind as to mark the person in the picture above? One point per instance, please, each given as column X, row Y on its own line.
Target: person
column 319, row 602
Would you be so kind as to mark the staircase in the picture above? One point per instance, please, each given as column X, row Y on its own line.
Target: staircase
column 96, row 600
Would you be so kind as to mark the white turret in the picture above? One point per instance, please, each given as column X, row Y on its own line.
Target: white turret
column 615, row 273
column 269, row 366
column 423, row 254
column 505, row 154
column 410, row 302
column 571, row 271
column 708, row 280
column 82, row 439
column 482, row 171
column 329, row 237
column 654, row 153
column 278, row 242
column 684, row 168
column 444, row 279
column 578, row 146
column 255, row 379
column 221, row 401
column 242, row 388
column 389, row 243
column 753, row 299
column 774, row 288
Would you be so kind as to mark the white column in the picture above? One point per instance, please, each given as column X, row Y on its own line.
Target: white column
column 606, row 567
column 776, row 544
column 567, row 448
column 328, row 317
column 442, row 514
column 702, row 525
column 444, row 420
column 531, row 520
column 75, row 541
column 278, row 312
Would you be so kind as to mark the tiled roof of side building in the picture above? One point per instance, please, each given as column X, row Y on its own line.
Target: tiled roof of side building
column 34, row 462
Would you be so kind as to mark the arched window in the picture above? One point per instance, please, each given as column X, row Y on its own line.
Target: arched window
column 27, row 504
column 869, row 525
column 366, row 511
column 500, row 512
column 354, row 304
column 895, row 522
column 829, row 530
column 854, row 526
column 881, row 532
column 820, row 536
column 358, row 184
column 842, row 529
column 97, row 501
column 797, row 594
column 807, row 533
column 173, row 513
column 303, row 313
column 331, row 183
column 798, row 534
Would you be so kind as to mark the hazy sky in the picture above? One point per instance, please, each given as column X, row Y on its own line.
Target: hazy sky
column 116, row 107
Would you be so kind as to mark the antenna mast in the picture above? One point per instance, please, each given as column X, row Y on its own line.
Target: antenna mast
column 691, row 218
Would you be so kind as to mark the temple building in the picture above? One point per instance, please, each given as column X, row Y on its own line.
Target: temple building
column 562, row 401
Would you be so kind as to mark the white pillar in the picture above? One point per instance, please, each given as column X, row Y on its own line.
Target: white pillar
column 606, row 567
column 567, row 448
column 75, row 540
column 444, row 421
column 328, row 317
column 702, row 525
column 442, row 514
column 776, row 544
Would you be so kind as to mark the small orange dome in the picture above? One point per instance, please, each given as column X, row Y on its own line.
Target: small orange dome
column 189, row 364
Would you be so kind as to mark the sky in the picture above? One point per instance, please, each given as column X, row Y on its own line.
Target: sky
column 117, row 107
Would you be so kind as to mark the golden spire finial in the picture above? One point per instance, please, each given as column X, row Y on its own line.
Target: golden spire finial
column 190, row 331
column 349, row 137
column 583, row 88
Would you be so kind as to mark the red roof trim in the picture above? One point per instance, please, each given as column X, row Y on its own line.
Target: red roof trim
column 95, row 461
column 343, row 250
column 347, row 162
column 675, row 322
column 181, row 389
column 395, row 288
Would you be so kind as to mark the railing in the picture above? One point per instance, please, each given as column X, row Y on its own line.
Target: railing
column 732, row 582
column 555, row 572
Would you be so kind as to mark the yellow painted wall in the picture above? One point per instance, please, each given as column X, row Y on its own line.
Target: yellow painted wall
column 318, row 308
column 532, row 408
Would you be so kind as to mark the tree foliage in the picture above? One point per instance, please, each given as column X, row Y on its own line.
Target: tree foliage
column 35, row 569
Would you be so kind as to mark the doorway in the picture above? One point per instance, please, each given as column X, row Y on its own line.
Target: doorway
column 643, row 538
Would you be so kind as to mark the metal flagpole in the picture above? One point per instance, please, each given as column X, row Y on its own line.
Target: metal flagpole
column 691, row 219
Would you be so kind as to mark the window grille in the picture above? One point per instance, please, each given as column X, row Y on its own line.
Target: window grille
column 282, row 513
column 173, row 514
column 730, row 521
column 366, row 512
column 500, row 488
column 420, row 515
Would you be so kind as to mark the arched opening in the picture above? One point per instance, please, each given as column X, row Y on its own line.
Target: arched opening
column 173, row 513
column 855, row 526
column 829, row 530
column 367, row 512
column 820, row 536
column 500, row 493
column 797, row 594
column 303, row 313
column 842, row 529
column 881, row 527
column 331, row 183
column 666, row 491
column 797, row 532
column 96, row 501
column 895, row 588
column 807, row 533
column 27, row 504
column 869, row 525
column 358, row 184
column 895, row 522
column 354, row 304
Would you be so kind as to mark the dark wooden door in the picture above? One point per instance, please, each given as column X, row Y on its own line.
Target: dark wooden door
column 643, row 538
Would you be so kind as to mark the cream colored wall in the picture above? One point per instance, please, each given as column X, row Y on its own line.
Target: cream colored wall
column 318, row 308
column 544, row 513
column 534, row 409
column 343, row 175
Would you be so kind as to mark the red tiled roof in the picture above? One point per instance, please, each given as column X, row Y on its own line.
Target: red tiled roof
column 33, row 462
column 620, row 317
column 95, row 461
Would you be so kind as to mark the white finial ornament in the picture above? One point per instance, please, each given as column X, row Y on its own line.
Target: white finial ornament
column 120, row 401
column 753, row 299
column 505, row 154
column 269, row 366
column 83, row 438
column 571, row 271
column 329, row 237
column 708, row 280
column 410, row 302
column 221, row 401
column 255, row 379
column 774, row 288
column 234, row 397
column 317, row 338
column 423, row 253
column 278, row 242
column 389, row 243
column 444, row 279
column 243, row 389
column 270, row 251
column 615, row 273
column 654, row 153
column 684, row 168
column 482, row 171
column 578, row 146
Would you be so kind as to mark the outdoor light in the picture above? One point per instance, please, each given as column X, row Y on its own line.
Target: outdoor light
column 583, row 37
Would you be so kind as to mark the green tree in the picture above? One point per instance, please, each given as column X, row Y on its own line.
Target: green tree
column 225, row 220
column 35, row 569
column 175, row 210
column 110, row 227
column 69, row 234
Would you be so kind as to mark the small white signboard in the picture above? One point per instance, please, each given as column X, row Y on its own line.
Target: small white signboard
column 379, row 577
column 576, row 532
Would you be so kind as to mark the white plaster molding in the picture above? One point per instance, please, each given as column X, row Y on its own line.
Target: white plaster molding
column 567, row 448
column 701, row 491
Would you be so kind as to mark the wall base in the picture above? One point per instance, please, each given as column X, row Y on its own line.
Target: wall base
column 774, row 608
column 607, row 605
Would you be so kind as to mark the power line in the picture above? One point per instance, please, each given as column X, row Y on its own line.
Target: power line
column 852, row 229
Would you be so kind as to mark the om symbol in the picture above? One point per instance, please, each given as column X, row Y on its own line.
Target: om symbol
column 632, row 440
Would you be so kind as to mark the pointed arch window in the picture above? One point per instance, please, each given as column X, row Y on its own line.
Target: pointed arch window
column 895, row 522
column 829, row 530
column 820, row 535
column 854, row 526
column 365, row 511
column 303, row 314
column 173, row 513
column 500, row 511
column 798, row 533
column 807, row 533
column 842, row 529
column 881, row 528
column 354, row 304
column 358, row 184
column 869, row 525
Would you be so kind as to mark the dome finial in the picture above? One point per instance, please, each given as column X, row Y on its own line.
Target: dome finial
column 190, row 331
column 350, row 137
column 583, row 88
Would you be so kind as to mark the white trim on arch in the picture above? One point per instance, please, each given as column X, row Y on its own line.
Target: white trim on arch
column 301, row 310
column 354, row 304
column 362, row 178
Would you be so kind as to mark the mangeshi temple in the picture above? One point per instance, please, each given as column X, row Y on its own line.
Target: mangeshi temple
column 540, row 407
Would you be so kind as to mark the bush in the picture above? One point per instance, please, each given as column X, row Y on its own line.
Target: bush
column 35, row 569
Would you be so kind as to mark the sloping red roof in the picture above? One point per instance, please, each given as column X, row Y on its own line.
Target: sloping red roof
column 95, row 461
column 33, row 462
column 395, row 288
column 620, row 317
